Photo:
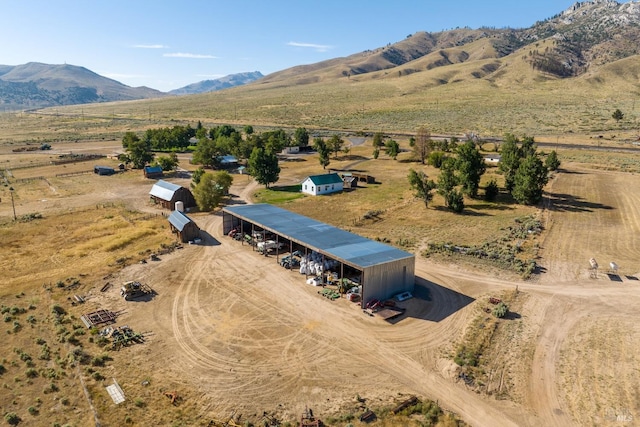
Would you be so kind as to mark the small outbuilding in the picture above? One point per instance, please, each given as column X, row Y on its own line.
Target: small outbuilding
column 153, row 172
column 322, row 184
column 167, row 194
column 103, row 170
column 183, row 227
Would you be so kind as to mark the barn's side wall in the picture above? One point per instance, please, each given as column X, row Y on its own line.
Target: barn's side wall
column 382, row 281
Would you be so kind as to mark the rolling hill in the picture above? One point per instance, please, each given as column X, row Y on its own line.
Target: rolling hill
column 565, row 74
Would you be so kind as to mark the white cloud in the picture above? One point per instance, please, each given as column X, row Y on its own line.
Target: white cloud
column 317, row 47
column 188, row 55
column 150, row 46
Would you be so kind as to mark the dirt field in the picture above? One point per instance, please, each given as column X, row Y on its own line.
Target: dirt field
column 232, row 331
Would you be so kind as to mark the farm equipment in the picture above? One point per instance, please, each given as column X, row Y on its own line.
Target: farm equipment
column 132, row 289
column 268, row 246
column 123, row 336
column 291, row 261
column 329, row 294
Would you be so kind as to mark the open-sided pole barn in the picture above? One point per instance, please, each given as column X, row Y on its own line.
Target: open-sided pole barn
column 383, row 269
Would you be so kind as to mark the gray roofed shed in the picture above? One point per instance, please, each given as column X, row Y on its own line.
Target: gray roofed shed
column 183, row 226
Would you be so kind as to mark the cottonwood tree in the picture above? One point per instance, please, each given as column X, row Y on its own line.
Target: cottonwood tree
column 323, row 150
column 138, row 151
column 167, row 163
column 422, row 185
column 212, row 189
column 392, row 148
column 301, row 137
column 263, row 166
column 335, row 143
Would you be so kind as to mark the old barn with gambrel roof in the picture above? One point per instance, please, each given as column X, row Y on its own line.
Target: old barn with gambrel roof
column 167, row 194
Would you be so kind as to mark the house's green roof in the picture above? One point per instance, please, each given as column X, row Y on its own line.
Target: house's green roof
column 327, row 178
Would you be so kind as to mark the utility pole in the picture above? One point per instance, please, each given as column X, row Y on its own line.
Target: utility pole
column 13, row 204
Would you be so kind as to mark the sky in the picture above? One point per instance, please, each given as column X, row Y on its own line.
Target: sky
column 168, row 44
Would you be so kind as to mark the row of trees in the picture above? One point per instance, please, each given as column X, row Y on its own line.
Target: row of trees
column 525, row 173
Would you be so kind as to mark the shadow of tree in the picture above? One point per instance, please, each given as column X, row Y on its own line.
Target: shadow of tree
column 569, row 203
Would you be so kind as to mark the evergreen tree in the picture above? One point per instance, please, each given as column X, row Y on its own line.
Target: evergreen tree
column 529, row 181
column 551, row 162
column 509, row 160
column 470, row 165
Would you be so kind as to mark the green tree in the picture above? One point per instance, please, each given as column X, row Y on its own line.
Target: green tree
column 207, row 152
column 378, row 140
column 335, row 144
column 529, row 181
column 167, row 163
column 509, row 160
column 139, row 151
column 263, row 166
column 376, row 152
column 491, row 191
column 196, row 176
column 455, row 200
column 470, row 165
column 552, row 162
column 436, row 158
column 248, row 130
column 422, row 185
column 323, row 150
column 392, row 148
column 618, row 115
column 447, row 180
column 212, row 189
column 301, row 137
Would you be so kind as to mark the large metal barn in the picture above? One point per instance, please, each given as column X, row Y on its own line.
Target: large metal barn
column 380, row 269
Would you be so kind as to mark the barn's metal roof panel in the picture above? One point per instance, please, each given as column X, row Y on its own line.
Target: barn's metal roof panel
column 179, row 220
column 334, row 242
column 164, row 190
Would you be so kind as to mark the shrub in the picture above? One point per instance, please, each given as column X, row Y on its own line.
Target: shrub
column 491, row 191
column 139, row 403
column 31, row 373
column 33, row 410
column 12, row 418
column 501, row 310
column 58, row 310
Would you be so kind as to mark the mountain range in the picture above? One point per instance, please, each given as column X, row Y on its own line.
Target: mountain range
column 586, row 36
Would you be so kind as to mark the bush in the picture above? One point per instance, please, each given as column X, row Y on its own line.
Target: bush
column 455, row 201
column 12, row 418
column 31, row 373
column 33, row 410
column 491, row 191
column 501, row 310
column 58, row 310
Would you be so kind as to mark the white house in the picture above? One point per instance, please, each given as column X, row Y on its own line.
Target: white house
column 322, row 184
